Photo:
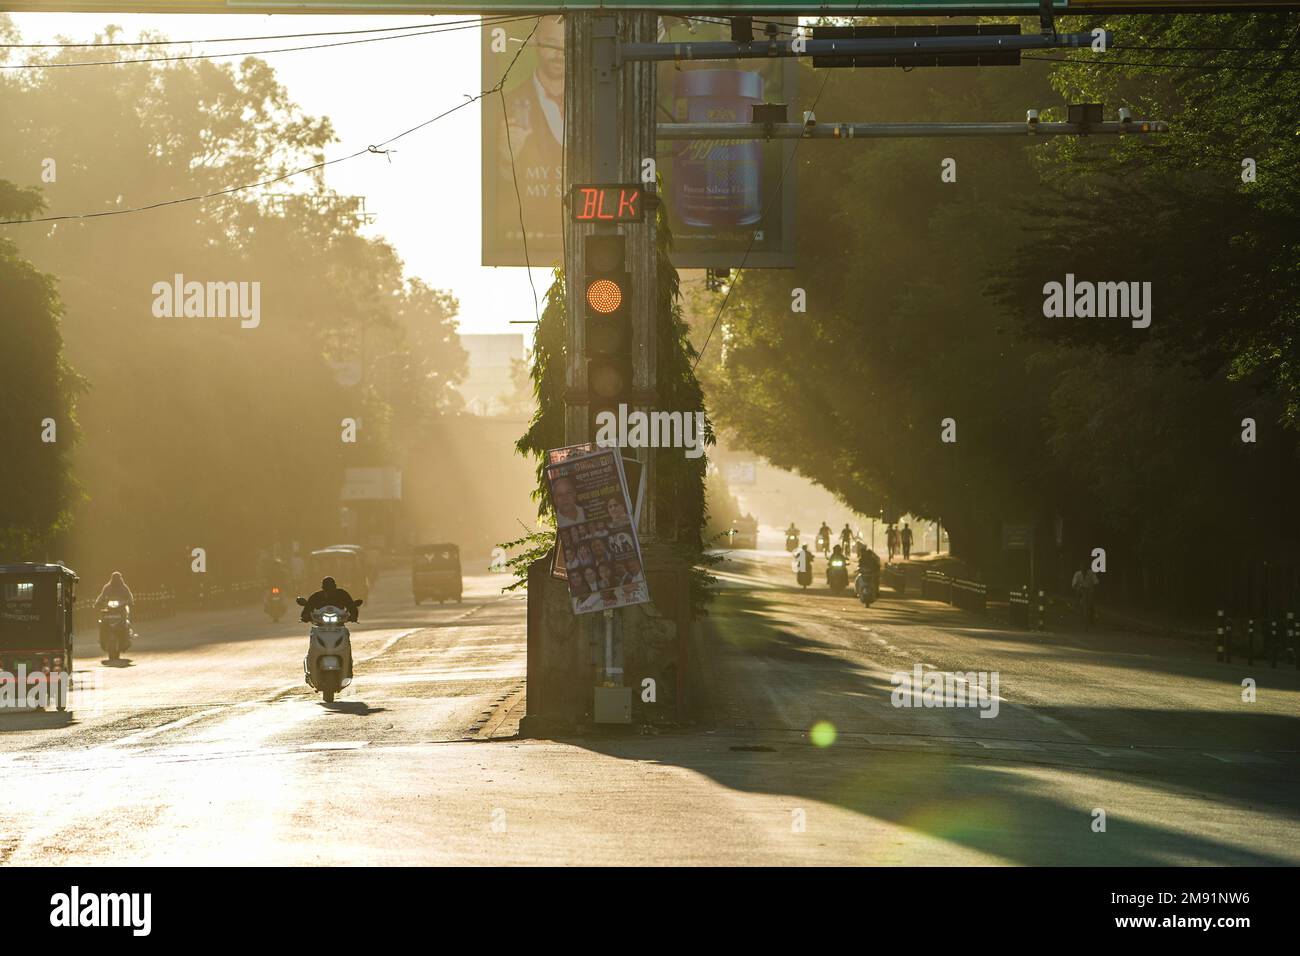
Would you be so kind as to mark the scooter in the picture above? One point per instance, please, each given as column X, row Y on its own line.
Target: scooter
column 115, row 629
column 274, row 604
column 837, row 575
column 328, row 664
column 867, row 587
column 802, row 577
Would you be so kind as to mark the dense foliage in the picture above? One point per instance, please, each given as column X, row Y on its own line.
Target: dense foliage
column 925, row 302
column 195, row 430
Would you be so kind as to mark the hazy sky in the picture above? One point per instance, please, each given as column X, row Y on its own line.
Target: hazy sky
column 427, row 198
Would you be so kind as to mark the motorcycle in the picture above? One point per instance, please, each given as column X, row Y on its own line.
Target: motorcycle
column 792, row 542
column 867, row 587
column 803, row 577
column 274, row 604
column 823, row 543
column 328, row 664
column 837, row 575
column 115, row 629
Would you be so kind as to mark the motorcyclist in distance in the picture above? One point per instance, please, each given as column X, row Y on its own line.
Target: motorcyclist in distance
column 276, row 574
column 824, row 537
column 115, row 590
column 330, row 594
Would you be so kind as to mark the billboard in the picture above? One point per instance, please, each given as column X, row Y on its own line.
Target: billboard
column 721, row 196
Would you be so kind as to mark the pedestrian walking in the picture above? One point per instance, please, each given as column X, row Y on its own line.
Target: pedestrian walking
column 891, row 541
column 905, row 539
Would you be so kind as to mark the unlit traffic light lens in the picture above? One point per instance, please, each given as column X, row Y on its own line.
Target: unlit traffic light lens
column 604, row 296
column 606, row 380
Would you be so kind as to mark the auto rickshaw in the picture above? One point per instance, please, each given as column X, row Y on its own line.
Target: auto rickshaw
column 346, row 566
column 435, row 572
column 36, row 602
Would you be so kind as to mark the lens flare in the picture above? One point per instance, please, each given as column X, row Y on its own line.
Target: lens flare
column 822, row 733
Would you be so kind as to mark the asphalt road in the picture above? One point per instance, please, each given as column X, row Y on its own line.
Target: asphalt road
column 208, row 749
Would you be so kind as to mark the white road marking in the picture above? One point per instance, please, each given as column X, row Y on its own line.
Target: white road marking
column 1240, row 758
column 152, row 731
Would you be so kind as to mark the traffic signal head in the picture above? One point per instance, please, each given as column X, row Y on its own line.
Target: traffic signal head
column 607, row 305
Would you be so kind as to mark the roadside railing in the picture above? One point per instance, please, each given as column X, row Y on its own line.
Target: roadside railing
column 967, row 595
column 895, row 578
column 1269, row 637
column 164, row 602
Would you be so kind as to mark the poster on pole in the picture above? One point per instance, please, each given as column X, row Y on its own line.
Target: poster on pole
column 634, row 478
column 593, row 526
column 725, row 199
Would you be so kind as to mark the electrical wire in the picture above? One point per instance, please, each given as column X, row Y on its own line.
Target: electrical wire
column 519, row 202
column 216, row 56
column 375, row 148
column 273, row 36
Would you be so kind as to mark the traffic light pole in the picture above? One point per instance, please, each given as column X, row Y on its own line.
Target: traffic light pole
column 609, row 130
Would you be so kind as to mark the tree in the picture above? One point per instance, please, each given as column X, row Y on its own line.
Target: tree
column 38, row 393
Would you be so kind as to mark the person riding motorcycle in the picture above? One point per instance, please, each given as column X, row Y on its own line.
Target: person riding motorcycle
column 802, row 566
column 845, row 537
column 115, row 590
column 868, row 579
column 331, row 595
column 837, row 564
column 791, row 537
column 824, row 537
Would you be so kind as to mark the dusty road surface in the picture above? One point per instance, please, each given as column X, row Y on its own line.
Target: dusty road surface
column 207, row 749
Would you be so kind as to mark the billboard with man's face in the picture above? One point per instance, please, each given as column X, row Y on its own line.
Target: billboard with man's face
column 721, row 196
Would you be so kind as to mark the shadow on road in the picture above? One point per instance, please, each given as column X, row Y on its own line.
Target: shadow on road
column 773, row 681
column 35, row 720
column 355, row 708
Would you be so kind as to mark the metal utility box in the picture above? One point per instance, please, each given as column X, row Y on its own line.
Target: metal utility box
column 613, row 705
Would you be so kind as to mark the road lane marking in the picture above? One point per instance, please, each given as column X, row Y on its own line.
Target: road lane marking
column 161, row 728
column 1239, row 758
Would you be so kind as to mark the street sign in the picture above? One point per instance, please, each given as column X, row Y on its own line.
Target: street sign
column 1017, row 537
column 611, row 204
